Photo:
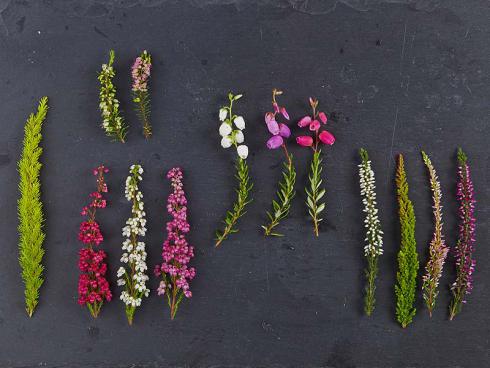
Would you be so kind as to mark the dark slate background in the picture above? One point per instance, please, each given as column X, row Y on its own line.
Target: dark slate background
column 394, row 75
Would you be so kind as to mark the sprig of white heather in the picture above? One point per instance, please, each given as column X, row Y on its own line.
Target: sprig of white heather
column 374, row 235
column 229, row 136
column 374, row 238
column 132, row 275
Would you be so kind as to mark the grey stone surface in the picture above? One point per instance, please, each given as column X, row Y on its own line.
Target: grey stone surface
column 395, row 76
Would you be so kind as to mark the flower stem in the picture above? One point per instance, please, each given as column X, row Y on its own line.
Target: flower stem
column 314, row 193
column 371, row 273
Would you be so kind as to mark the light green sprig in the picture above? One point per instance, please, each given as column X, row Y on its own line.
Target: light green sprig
column 112, row 121
column 285, row 195
column 30, row 209
column 315, row 192
column 408, row 263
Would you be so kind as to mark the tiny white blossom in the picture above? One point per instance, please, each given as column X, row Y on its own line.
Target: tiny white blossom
column 239, row 138
column 239, row 122
column 224, row 129
column 226, row 142
column 223, row 113
column 242, row 151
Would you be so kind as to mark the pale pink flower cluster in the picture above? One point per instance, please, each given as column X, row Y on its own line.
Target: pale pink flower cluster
column 140, row 72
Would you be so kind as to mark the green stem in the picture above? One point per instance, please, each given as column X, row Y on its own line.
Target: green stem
column 315, row 192
column 371, row 273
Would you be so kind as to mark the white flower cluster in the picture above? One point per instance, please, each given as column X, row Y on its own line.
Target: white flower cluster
column 229, row 135
column 374, row 239
column 133, row 272
column 112, row 122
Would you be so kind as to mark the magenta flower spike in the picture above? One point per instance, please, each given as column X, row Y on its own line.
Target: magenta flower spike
column 280, row 133
column 465, row 264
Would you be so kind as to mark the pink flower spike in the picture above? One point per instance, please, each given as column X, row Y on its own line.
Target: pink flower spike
column 327, row 137
column 273, row 127
column 304, row 140
column 274, row 142
column 284, row 113
column 323, row 117
column 284, row 130
column 315, row 125
column 304, row 122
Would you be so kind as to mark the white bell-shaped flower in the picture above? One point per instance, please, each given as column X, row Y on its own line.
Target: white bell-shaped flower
column 223, row 113
column 239, row 138
column 239, row 122
column 226, row 142
column 242, row 151
column 224, row 130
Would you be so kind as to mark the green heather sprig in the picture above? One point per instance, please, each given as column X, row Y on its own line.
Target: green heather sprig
column 315, row 192
column 437, row 248
column 140, row 73
column 408, row 263
column 234, row 137
column 112, row 121
column 465, row 263
column 30, row 209
column 280, row 133
column 374, row 235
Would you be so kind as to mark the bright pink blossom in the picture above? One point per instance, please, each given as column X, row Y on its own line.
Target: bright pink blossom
column 314, row 125
column 327, row 138
column 304, row 140
column 304, row 122
column 323, row 117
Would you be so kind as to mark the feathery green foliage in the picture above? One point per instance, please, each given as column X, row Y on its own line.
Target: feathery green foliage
column 243, row 191
column 408, row 263
column 315, row 192
column 30, row 211
column 285, row 194
column 112, row 121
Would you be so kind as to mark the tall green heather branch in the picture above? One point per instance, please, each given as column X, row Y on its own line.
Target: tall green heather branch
column 408, row 263
column 374, row 235
column 234, row 137
column 437, row 248
column 30, row 209
column 112, row 121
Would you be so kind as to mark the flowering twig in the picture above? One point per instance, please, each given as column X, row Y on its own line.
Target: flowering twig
column 408, row 263
column 93, row 287
column 177, row 252
column 140, row 73
column 280, row 132
column 374, row 235
column 465, row 264
column 112, row 121
column 30, row 208
column 437, row 248
column 315, row 192
column 132, row 275
column 234, row 137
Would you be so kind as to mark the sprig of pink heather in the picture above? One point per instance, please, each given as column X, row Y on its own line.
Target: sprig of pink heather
column 140, row 72
column 465, row 264
column 93, row 287
column 437, row 248
column 177, row 252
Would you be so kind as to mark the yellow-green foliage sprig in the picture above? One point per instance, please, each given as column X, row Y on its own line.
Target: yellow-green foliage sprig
column 408, row 263
column 30, row 209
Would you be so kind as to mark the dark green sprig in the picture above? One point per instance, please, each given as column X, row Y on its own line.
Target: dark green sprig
column 285, row 195
column 30, row 209
column 243, row 191
column 315, row 193
column 408, row 263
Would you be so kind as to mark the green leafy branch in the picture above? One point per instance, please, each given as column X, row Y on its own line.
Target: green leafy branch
column 285, row 195
column 315, row 193
column 30, row 211
column 243, row 191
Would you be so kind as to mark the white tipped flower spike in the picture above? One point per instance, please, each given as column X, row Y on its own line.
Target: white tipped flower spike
column 224, row 129
column 239, row 122
column 223, row 113
column 239, row 138
column 242, row 151
column 226, row 142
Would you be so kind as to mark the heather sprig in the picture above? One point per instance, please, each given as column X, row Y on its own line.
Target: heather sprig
column 140, row 73
column 315, row 191
column 132, row 275
column 374, row 235
column 280, row 133
column 231, row 136
column 177, row 252
column 437, row 248
column 465, row 264
column 93, row 287
column 30, row 208
column 408, row 263
column 112, row 121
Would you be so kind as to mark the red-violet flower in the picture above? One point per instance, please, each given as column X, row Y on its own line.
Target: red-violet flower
column 93, row 287
column 177, row 252
column 465, row 264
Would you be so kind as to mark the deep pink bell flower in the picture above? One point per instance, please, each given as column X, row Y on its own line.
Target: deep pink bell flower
column 304, row 140
column 315, row 125
column 327, row 137
column 323, row 117
column 304, row 122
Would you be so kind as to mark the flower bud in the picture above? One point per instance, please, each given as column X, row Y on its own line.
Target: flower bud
column 323, row 117
column 223, row 113
column 304, row 140
column 284, row 113
column 327, row 137
column 315, row 125
column 304, row 122
column 284, row 131
column 242, row 151
column 239, row 122
column 239, row 138
column 226, row 142
column 224, row 129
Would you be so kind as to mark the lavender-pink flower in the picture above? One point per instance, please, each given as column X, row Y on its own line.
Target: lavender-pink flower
column 140, row 73
column 177, row 252
column 465, row 264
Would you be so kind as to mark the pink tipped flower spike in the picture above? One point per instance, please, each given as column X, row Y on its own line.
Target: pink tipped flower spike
column 274, row 142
